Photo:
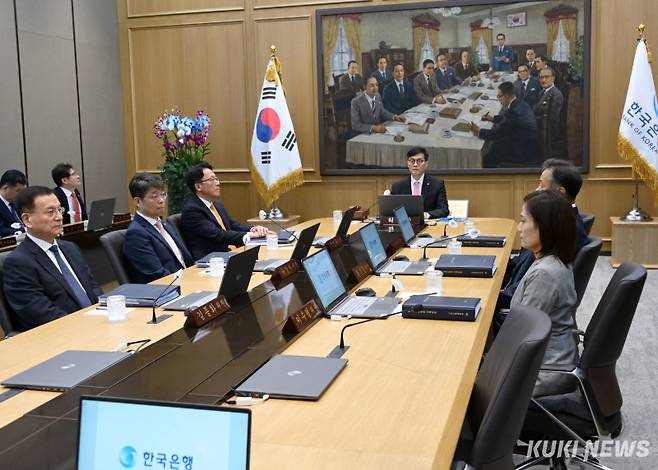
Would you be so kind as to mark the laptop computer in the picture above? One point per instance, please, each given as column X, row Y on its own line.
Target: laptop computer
column 294, row 377
column 342, row 228
column 101, row 214
column 408, row 234
column 380, row 262
column 332, row 294
column 234, row 282
column 299, row 253
column 161, row 434
column 64, row 371
column 388, row 203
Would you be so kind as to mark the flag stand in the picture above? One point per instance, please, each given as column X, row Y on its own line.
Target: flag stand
column 275, row 212
column 636, row 214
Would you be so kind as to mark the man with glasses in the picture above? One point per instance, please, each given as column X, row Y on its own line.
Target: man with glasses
column 45, row 278
column 152, row 248
column 66, row 189
column 205, row 223
column 433, row 190
column 12, row 182
column 527, row 87
column 548, row 112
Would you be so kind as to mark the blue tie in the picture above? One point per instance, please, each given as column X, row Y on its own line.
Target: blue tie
column 12, row 207
column 80, row 294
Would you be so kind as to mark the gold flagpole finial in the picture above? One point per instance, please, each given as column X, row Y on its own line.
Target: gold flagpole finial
column 641, row 28
column 273, row 49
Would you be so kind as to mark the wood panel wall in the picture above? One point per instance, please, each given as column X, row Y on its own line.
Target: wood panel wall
column 211, row 55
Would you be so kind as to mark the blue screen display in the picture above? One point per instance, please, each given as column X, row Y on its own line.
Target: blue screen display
column 116, row 435
column 405, row 224
column 373, row 245
column 326, row 281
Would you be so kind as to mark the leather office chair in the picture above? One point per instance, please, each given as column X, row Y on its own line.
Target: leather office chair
column 583, row 266
column 113, row 245
column 5, row 315
column 588, row 221
column 174, row 220
column 502, row 389
column 589, row 407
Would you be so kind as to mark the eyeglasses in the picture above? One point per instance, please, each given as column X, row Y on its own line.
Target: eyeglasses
column 155, row 196
column 52, row 213
column 212, row 178
column 415, row 161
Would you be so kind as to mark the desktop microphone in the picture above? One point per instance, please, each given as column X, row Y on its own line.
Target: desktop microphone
column 440, row 240
column 267, row 217
column 154, row 319
column 341, row 348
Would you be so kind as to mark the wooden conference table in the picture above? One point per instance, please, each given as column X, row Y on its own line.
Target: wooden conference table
column 399, row 403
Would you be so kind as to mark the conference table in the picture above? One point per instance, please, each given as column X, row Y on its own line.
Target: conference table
column 399, row 403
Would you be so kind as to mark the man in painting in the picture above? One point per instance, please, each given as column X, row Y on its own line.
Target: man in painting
column 527, row 87
column 351, row 83
column 425, row 87
column 503, row 55
column 367, row 111
column 548, row 113
column 446, row 77
column 399, row 95
column 465, row 68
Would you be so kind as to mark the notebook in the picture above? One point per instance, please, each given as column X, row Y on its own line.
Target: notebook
column 300, row 252
column 410, row 238
column 413, row 204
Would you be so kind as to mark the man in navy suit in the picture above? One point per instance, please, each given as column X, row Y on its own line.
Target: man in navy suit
column 382, row 75
column 12, row 182
column 503, row 55
column 205, row 223
column 527, row 87
column 152, row 248
column 433, row 190
column 399, row 94
column 66, row 189
column 45, row 278
column 446, row 77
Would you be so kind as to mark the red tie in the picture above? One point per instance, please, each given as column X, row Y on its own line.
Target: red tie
column 76, row 208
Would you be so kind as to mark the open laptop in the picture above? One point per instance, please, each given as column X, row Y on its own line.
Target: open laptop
column 64, row 371
column 408, row 234
column 294, row 377
column 379, row 261
column 333, row 296
column 101, row 214
column 299, row 253
column 125, row 433
column 389, row 202
column 342, row 228
column 234, row 282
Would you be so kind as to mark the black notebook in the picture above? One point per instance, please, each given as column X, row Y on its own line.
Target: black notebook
column 143, row 295
column 434, row 307
column 467, row 265
column 483, row 241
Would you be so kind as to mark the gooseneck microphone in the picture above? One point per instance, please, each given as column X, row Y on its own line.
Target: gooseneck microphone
column 435, row 242
column 268, row 217
column 341, row 348
column 154, row 319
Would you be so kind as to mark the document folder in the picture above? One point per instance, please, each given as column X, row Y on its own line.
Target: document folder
column 143, row 295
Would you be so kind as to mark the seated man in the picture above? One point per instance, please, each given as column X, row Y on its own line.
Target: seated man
column 206, row 224
column 367, row 111
column 66, row 189
column 350, row 83
column 12, row 182
column 399, row 94
column 153, row 248
column 425, row 87
column 433, row 190
column 445, row 75
column 527, row 87
column 514, row 134
column 465, row 68
column 45, row 278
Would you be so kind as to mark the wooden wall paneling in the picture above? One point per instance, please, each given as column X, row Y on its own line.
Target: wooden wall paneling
column 487, row 197
column 264, row 4
column 139, row 8
column 234, row 195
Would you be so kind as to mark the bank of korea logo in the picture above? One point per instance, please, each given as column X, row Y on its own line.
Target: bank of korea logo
column 128, row 457
column 268, row 125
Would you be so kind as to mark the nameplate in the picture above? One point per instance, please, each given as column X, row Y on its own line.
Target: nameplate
column 6, row 242
column 361, row 214
column 360, row 271
column 394, row 246
column 118, row 218
column 77, row 227
column 286, row 270
column 302, row 318
column 209, row 311
column 334, row 243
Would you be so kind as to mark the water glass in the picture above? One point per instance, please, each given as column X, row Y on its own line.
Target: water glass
column 434, row 281
column 454, row 247
column 337, row 215
column 216, row 266
column 116, row 308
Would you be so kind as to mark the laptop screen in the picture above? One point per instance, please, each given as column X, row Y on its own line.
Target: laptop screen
column 130, row 434
column 405, row 224
column 324, row 277
column 373, row 245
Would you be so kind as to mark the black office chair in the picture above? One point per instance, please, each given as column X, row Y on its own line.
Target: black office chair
column 113, row 245
column 590, row 408
column 174, row 220
column 5, row 315
column 588, row 221
column 502, row 390
column 583, row 266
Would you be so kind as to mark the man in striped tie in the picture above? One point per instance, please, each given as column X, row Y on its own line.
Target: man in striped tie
column 67, row 181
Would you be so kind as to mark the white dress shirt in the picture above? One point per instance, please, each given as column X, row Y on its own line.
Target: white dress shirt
column 45, row 246
column 69, row 199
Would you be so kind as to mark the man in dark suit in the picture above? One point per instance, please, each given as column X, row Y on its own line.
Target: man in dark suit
column 513, row 136
column 45, row 278
column 445, row 75
column 425, row 87
column 433, row 190
column 548, row 112
column 530, row 57
column 367, row 111
column 66, row 189
column 205, row 223
column 350, row 83
column 465, row 68
column 152, row 248
column 382, row 75
column 399, row 94
column 527, row 88
column 503, row 55
column 12, row 182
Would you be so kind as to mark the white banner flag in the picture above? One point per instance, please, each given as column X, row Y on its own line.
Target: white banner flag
column 276, row 166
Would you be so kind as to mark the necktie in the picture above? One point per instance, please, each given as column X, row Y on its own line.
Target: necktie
column 170, row 241
column 373, row 106
column 76, row 208
column 69, row 277
column 12, row 209
column 384, row 75
column 352, row 78
column 501, row 49
column 428, row 82
column 416, row 190
column 523, row 89
column 465, row 67
column 213, row 209
column 401, row 90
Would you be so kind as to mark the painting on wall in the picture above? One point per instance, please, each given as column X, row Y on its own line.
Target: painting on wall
column 459, row 78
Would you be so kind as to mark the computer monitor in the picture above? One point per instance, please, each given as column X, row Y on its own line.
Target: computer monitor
column 122, row 433
column 404, row 223
column 324, row 277
column 373, row 245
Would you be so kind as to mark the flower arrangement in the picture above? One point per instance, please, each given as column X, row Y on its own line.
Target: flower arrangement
column 185, row 143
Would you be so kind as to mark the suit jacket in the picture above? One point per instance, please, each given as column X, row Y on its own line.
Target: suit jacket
column 396, row 103
column 64, row 201
column 550, row 101
column 6, row 219
column 513, row 137
column 447, row 80
column 435, row 200
column 380, row 78
column 349, row 87
column 472, row 70
column 362, row 116
column 499, row 65
column 531, row 93
column 425, row 93
column 533, row 70
column 581, row 235
column 202, row 232
column 148, row 256
column 35, row 289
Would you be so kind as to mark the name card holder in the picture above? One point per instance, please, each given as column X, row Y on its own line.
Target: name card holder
column 76, row 227
column 209, row 311
column 118, row 218
column 394, row 246
column 334, row 244
column 286, row 270
column 7, row 242
column 360, row 272
column 302, row 318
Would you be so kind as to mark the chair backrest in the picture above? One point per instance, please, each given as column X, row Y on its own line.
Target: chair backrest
column 606, row 334
column 113, row 245
column 583, row 266
column 5, row 315
column 504, row 385
column 588, row 221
